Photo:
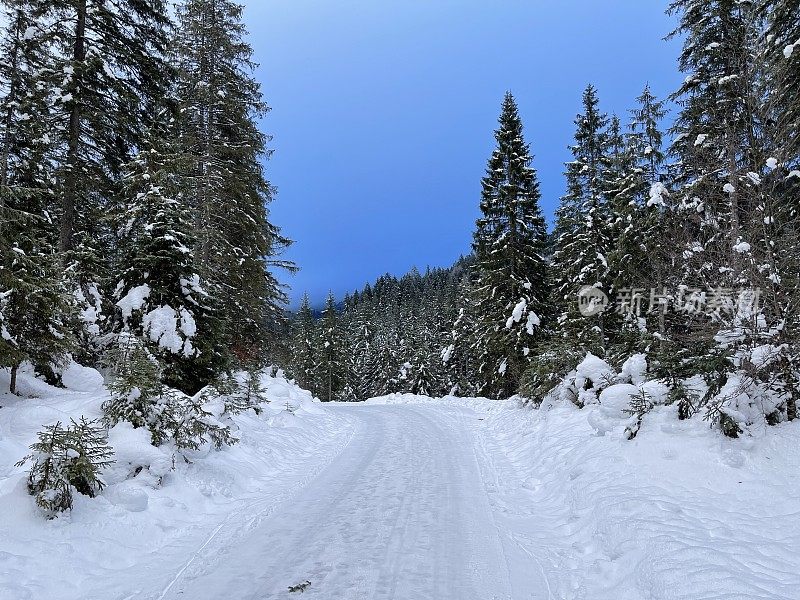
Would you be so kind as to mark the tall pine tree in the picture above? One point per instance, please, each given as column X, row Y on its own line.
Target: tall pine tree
column 583, row 230
column 510, row 291
column 331, row 367
column 237, row 245
column 35, row 309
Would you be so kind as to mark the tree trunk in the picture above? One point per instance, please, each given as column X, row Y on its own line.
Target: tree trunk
column 73, row 143
column 12, row 387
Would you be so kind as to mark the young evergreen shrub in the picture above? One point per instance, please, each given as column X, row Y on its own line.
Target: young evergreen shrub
column 136, row 389
column 238, row 395
column 546, row 371
column 140, row 397
column 67, row 459
column 191, row 426
column 640, row 405
column 251, row 392
column 687, row 402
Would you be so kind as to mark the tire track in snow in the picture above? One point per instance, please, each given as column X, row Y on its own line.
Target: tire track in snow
column 273, row 504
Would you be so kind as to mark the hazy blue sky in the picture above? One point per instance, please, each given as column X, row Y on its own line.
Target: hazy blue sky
column 383, row 113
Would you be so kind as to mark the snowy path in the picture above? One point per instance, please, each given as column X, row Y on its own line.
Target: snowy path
column 402, row 513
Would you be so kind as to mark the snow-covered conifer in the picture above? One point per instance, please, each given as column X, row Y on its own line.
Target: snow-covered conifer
column 330, row 367
column 159, row 295
column 68, row 459
column 303, row 361
column 510, row 291
column 36, row 310
column 583, row 230
column 237, row 246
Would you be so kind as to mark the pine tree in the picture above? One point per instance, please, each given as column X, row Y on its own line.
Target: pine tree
column 618, row 185
column 36, row 313
column 67, row 459
column 458, row 354
column 137, row 390
column 330, row 360
column 360, row 348
column 237, row 245
column 717, row 142
column 170, row 306
column 583, row 230
column 783, row 62
column 780, row 228
column 139, row 397
column 303, row 351
column 510, row 291
column 103, row 73
column 730, row 212
column 639, row 260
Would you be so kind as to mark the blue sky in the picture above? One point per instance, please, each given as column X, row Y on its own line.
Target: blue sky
column 383, row 113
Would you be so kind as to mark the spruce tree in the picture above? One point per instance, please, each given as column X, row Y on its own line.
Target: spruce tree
column 330, row 359
column 159, row 294
column 67, row 459
column 139, row 396
column 717, row 143
column 583, row 230
column 361, row 346
column 36, row 311
column 303, row 366
column 237, row 245
column 104, row 72
column 639, row 261
column 732, row 209
column 510, row 291
column 783, row 62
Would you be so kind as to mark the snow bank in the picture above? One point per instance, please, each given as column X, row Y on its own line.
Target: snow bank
column 743, row 405
column 159, row 507
column 81, row 379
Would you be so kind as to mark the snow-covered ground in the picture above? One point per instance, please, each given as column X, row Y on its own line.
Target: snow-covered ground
column 410, row 498
column 140, row 536
column 680, row 511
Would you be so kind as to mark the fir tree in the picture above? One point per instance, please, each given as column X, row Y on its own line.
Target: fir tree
column 730, row 208
column 250, row 393
column 137, row 391
column 583, row 230
column 139, row 397
column 783, row 63
column 330, row 360
column 104, row 71
column 640, row 196
column 716, row 143
column 159, row 293
column 303, row 352
column 510, row 291
column 236, row 245
column 36, row 312
column 67, row 459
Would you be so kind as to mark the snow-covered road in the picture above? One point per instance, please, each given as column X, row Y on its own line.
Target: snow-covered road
column 402, row 513
column 409, row 498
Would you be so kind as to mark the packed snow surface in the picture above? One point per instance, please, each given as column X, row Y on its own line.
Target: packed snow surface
column 411, row 498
